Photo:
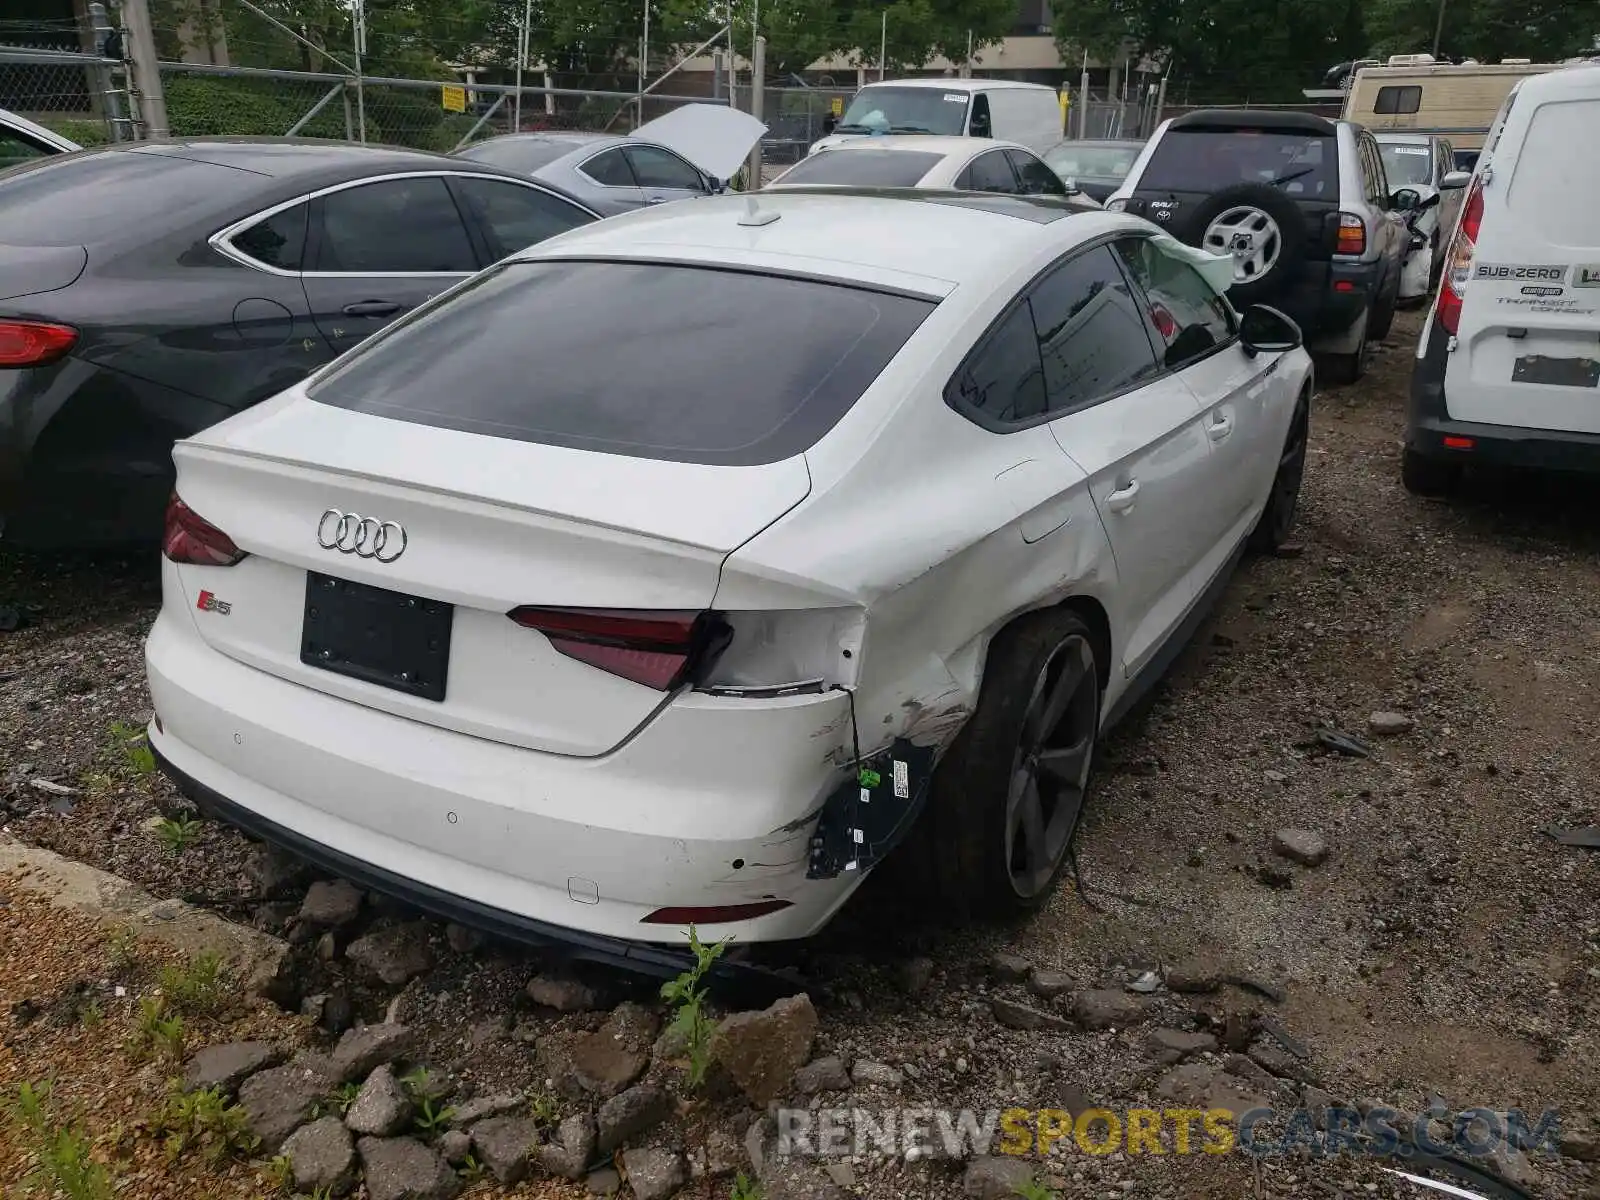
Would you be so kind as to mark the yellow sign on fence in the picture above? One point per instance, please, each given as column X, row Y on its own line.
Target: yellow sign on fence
column 454, row 99
column 837, row 105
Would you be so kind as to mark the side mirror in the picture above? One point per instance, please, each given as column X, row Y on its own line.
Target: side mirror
column 715, row 186
column 1405, row 199
column 1266, row 330
column 1454, row 180
column 829, row 123
column 1431, row 202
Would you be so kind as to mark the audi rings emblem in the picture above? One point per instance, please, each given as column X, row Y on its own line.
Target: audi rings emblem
column 365, row 537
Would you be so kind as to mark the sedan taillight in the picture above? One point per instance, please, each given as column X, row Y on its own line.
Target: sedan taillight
column 34, row 343
column 192, row 539
column 661, row 650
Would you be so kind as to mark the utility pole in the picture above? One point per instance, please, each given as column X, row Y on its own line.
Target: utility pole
column 1438, row 29
column 358, row 15
column 883, row 44
column 146, row 67
column 644, row 65
column 758, row 75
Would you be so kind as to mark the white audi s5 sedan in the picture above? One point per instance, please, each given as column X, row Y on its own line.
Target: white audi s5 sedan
column 680, row 568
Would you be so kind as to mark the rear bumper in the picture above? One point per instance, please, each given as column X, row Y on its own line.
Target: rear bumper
column 708, row 807
column 1327, row 297
column 1428, row 424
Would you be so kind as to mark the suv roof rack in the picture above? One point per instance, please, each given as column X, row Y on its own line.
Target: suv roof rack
column 1238, row 119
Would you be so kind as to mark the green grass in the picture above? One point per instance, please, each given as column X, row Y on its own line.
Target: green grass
column 177, row 833
column 62, row 1153
column 130, row 750
column 745, row 1188
column 1035, row 1189
column 198, row 988
column 204, row 1121
column 158, row 1033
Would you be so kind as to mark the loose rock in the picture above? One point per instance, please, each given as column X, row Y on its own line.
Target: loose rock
column 382, row 1108
column 362, row 1051
column 873, row 1074
column 1047, row 985
column 914, row 975
column 1009, row 968
column 625, row 1116
column 1580, row 1139
column 1170, row 1046
column 1300, row 845
column 823, row 1075
column 761, row 1051
column 1105, row 1008
column 405, row 1169
column 462, row 940
column 616, row 1054
column 504, row 1145
column 654, row 1174
column 568, row 1156
column 394, row 955
column 604, row 1182
column 454, row 1145
column 322, row 1157
column 1389, row 724
column 995, row 1178
column 1195, row 975
column 278, row 1101
column 1027, row 1018
column 486, row 1106
column 225, row 1067
column 331, row 904
column 563, row 994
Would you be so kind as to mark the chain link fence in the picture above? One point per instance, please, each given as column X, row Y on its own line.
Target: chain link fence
column 80, row 96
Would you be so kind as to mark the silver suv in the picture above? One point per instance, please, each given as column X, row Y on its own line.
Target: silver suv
column 1302, row 205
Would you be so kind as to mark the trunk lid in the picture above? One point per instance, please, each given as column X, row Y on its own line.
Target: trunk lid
column 490, row 524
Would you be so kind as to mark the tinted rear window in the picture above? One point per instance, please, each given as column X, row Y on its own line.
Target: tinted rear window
column 864, row 168
column 78, row 200
column 517, row 154
column 1203, row 160
column 687, row 364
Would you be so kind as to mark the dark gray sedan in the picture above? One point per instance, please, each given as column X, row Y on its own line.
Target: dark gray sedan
column 690, row 152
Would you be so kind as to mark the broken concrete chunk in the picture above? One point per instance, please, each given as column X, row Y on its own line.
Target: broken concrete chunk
column 331, row 904
column 563, row 994
column 1106, row 1008
column 382, row 1108
column 995, row 1178
column 405, row 1169
column 568, row 1156
column 1300, row 845
column 322, row 1158
column 625, row 1116
column 505, row 1145
column 278, row 1101
column 225, row 1067
column 1195, row 975
column 1389, row 724
column 1009, row 968
column 395, row 954
column 470, row 1111
column 362, row 1051
column 1047, row 985
column 654, row 1174
column 761, row 1051
column 1171, row 1046
column 822, row 1075
column 1027, row 1018
column 874, row 1074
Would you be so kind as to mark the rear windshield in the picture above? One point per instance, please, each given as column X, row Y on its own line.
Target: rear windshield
column 1081, row 160
column 79, row 199
column 863, row 168
column 688, row 364
column 518, row 154
column 1204, row 160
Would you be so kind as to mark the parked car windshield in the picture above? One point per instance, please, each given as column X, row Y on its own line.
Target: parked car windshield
column 688, row 364
column 518, row 154
column 863, row 168
column 905, row 110
column 1405, row 164
column 1205, row 160
column 1084, row 160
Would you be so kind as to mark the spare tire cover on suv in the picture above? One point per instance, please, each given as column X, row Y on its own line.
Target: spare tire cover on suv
column 1259, row 227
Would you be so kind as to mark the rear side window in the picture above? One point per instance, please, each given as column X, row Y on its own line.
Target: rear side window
column 863, row 168
column 77, row 200
column 610, row 170
column 989, row 173
column 396, row 226
column 1091, row 332
column 1037, row 179
column 278, row 241
column 687, row 364
column 1189, row 319
column 1003, row 381
column 1396, row 100
column 515, row 217
column 1205, row 160
column 1549, row 176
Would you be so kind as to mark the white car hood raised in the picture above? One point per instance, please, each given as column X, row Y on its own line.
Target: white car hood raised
column 717, row 138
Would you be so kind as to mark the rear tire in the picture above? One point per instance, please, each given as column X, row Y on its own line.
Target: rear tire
column 1349, row 368
column 1008, row 796
column 1423, row 476
column 1277, row 518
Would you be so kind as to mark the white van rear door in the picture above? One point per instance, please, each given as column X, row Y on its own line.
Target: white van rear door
column 1528, row 350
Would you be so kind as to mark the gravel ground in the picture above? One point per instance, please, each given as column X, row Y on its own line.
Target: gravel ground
column 1446, row 949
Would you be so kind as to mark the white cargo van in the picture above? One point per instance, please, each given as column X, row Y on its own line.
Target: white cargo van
column 1027, row 113
column 1508, row 368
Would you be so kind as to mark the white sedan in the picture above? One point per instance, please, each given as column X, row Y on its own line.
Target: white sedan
column 679, row 568
column 917, row 161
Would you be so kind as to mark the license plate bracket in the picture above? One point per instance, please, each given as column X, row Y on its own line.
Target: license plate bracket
column 376, row 635
column 1556, row 372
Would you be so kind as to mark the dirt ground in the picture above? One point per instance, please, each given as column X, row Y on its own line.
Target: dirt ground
column 1447, row 950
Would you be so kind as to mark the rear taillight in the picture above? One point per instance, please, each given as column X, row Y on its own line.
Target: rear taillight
column 662, row 650
column 34, row 343
column 192, row 539
column 1458, row 261
column 720, row 914
column 1352, row 235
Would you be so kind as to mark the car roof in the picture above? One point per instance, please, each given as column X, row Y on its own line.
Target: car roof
column 960, row 85
column 927, row 242
column 925, row 143
column 284, row 158
column 555, row 137
column 1120, row 143
column 1228, row 119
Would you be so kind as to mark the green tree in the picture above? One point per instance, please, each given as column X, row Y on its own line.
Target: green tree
column 1488, row 30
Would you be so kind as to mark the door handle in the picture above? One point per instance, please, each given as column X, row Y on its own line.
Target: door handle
column 372, row 308
column 1220, row 427
column 1122, row 500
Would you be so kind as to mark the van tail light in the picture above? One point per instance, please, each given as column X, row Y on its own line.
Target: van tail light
column 193, row 540
column 661, row 650
column 1351, row 237
column 34, row 343
column 1458, row 261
